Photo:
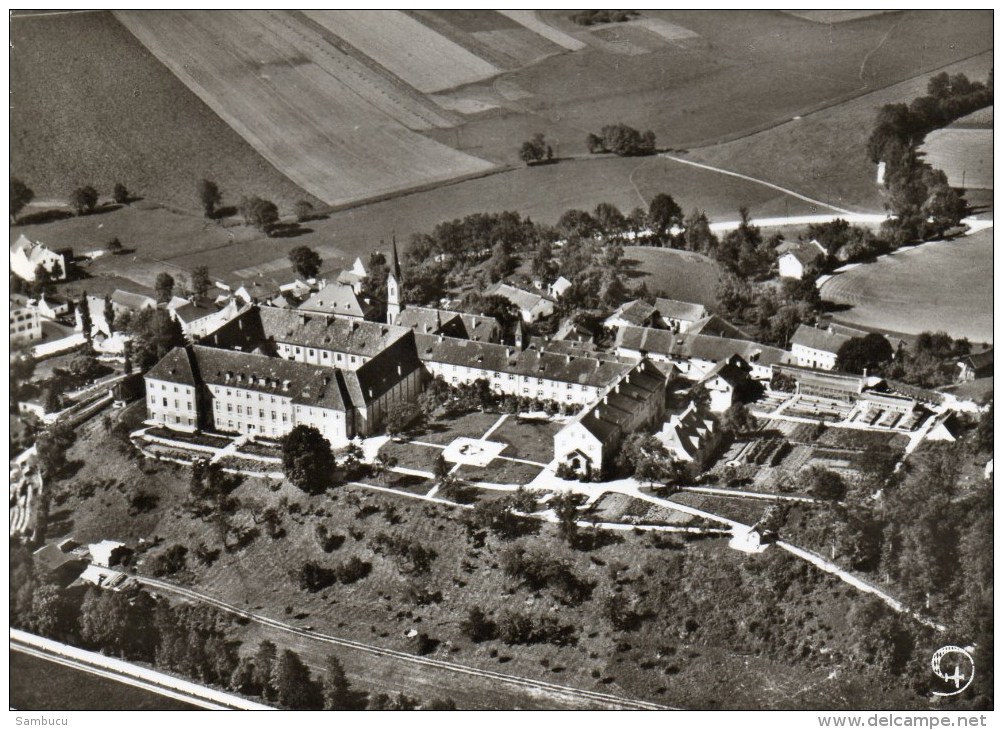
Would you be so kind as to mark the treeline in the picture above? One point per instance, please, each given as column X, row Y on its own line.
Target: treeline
column 195, row 641
column 923, row 203
column 622, row 141
column 930, row 361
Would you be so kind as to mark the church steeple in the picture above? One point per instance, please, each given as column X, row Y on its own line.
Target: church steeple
column 394, row 281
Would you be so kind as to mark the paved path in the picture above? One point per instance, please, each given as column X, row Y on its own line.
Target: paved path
column 137, row 676
column 592, row 699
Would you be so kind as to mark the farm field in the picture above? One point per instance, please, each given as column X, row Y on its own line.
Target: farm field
column 824, row 153
column 713, row 78
column 835, row 16
column 297, row 99
column 418, row 55
column 683, row 275
column 77, row 123
column 945, row 285
column 964, row 150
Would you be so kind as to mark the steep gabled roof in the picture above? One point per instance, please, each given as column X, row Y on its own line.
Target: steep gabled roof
column 335, row 299
column 174, row 367
column 683, row 311
column 637, row 312
column 328, row 332
column 525, row 300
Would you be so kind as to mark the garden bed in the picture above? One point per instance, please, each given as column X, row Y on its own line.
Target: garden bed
column 202, row 439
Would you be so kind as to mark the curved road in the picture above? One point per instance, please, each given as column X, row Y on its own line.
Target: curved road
column 595, row 700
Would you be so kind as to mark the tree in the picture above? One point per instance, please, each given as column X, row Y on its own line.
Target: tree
column 307, row 459
column 383, row 465
column 86, row 325
column 737, row 420
column 867, row 352
column 164, row 286
column 400, row 417
column 336, row 689
column 826, row 484
column 306, row 262
column 20, row 196
column 201, row 282
column 293, row 686
column 440, row 467
column 209, row 196
column 664, row 213
column 109, row 313
column 535, row 150
column 565, row 507
column 303, row 210
column 114, row 247
column 51, row 613
column 258, row 212
column 477, row 626
column 84, row 200
column 120, row 194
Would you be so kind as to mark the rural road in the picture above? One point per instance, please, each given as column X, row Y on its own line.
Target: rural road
column 554, row 695
column 131, row 674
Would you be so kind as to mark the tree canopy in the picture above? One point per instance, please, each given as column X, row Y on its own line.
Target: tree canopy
column 307, row 459
column 306, row 262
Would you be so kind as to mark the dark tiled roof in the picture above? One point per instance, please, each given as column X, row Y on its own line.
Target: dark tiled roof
column 174, row 367
column 979, row 360
column 675, row 309
column 327, row 332
column 191, row 312
column 824, row 339
column 566, row 368
column 309, row 385
column 336, row 299
column 699, row 346
column 637, row 312
column 378, row 375
column 432, row 321
column 521, row 298
column 608, row 417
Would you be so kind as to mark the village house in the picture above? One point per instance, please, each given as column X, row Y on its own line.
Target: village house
column 52, row 306
column 795, row 259
column 975, row 365
column 25, row 324
column 432, row 321
column 677, row 315
column 635, row 313
column 690, row 436
column 200, row 319
column 635, row 401
column 726, row 382
column 532, row 307
column 818, row 347
column 26, row 256
column 354, row 277
column 558, row 287
column 340, row 300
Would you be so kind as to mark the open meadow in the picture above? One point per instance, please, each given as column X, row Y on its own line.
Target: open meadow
column 940, row 286
column 964, row 151
column 89, row 105
column 683, row 275
column 295, row 97
column 824, row 154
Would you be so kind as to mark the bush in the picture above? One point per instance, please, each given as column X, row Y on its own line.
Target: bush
column 313, row 577
column 352, row 570
column 170, row 562
column 478, row 627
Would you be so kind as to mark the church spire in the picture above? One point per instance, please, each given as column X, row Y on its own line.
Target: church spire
column 393, row 287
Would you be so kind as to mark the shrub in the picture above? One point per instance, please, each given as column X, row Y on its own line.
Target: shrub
column 171, row 561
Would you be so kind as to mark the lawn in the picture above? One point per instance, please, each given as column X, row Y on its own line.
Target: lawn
column 499, row 471
column 412, row 456
column 941, row 286
column 683, row 275
column 527, row 439
column 447, row 429
column 90, row 105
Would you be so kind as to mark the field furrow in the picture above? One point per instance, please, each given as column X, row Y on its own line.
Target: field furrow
column 286, row 95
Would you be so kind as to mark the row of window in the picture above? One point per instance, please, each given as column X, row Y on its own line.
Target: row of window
column 25, row 327
column 163, row 386
column 325, row 354
column 177, row 406
column 525, row 379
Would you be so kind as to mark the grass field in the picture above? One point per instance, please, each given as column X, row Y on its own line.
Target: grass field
column 944, row 286
column 297, row 99
column 824, row 154
column 835, row 16
column 683, row 275
column 90, row 105
column 392, row 39
column 964, row 151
